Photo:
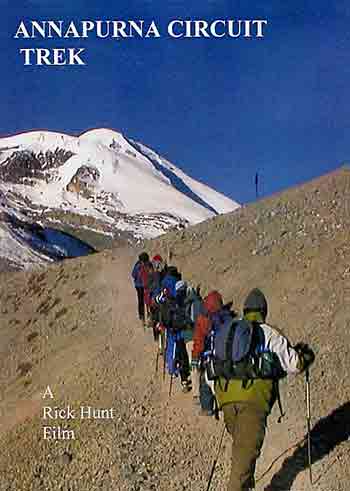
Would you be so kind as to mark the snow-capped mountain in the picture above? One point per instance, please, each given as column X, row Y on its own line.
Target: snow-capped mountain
column 100, row 181
column 25, row 245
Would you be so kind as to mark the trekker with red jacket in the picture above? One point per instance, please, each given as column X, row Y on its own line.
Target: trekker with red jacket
column 147, row 273
column 211, row 304
column 213, row 310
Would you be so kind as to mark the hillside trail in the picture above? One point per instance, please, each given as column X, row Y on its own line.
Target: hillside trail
column 180, row 430
column 174, row 425
column 154, row 441
column 194, row 439
column 106, row 363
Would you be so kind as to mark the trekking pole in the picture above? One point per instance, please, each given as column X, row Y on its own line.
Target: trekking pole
column 158, row 350
column 171, row 385
column 308, row 406
column 172, row 369
column 157, row 360
column 165, row 348
column 216, row 459
column 164, row 368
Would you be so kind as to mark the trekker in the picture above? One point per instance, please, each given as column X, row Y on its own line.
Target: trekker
column 173, row 314
column 159, row 267
column 247, row 402
column 194, row 307
column 138, row 277
column 147, row 273
column 155, row 281
column 171, row 277
column 213, row 311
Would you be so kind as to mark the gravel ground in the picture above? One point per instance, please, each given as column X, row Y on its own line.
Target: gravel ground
column 73, row 327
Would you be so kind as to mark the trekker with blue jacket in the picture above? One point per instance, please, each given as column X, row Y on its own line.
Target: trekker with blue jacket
column 138, row 277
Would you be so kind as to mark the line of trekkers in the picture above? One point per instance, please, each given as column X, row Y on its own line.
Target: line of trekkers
column 230, row 363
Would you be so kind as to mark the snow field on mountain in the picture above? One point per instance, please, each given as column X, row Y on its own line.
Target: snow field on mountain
column 132, row 180
column 100, row 181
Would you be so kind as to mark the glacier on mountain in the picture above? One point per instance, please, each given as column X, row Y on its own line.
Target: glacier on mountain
column 114, row 184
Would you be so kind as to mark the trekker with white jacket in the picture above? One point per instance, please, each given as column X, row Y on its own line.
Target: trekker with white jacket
column 247, row 405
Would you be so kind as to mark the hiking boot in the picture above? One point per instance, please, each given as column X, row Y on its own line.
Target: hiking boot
column 206, row 412
column 186, row 386
column 196, row 401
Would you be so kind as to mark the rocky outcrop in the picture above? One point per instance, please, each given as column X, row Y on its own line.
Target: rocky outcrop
column 25, row 166
column 84, row 181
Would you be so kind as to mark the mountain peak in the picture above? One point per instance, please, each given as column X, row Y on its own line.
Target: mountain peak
column 102, row 181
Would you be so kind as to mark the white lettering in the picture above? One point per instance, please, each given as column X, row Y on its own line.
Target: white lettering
column 71, row 31
column 259, row 28
column 153, row 31
column 58, row 433
column 74, row 57
column 88, row 25
column 39, row 28
column 201, row 27
column 22, row 31
column 42, row 56
column 99, row 30
column 56, row 28
column 119, row 29
column 171, row 27
column 247, row 29
column 88, row 412
column 59, row 56
column 214, row 31
column 57, row 413
column 138, row 28
column 48, row 392
column 231, row 30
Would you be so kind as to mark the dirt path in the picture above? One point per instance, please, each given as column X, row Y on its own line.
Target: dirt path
column 92, row 351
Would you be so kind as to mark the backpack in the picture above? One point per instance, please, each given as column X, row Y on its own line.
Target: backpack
column 169, row 282
column 148, row 275
column 179, row 316
column 173, row 314
column 237, row 351
column 193, row 304
column 173, row 271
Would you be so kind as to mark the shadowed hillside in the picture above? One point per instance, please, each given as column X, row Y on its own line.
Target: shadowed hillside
column 74, row 327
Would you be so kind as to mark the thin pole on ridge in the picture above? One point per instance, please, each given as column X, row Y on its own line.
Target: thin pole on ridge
column 308, row 408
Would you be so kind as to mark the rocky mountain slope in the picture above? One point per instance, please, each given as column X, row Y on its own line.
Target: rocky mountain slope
column 74, row 327
column 29, row 245
column 100, row 186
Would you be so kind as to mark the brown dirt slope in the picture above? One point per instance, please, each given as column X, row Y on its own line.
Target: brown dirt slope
column 73, row 327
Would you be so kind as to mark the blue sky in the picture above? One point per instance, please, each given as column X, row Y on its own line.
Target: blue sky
column 221, row 109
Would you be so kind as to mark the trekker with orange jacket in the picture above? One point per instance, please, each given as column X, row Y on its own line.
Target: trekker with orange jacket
column 211, row 304
column 213, row 308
